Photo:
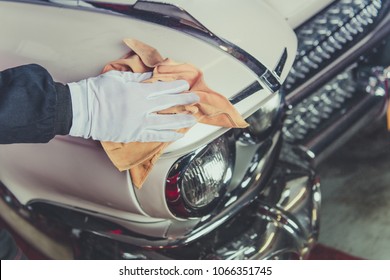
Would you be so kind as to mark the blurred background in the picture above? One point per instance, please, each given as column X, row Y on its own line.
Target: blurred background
column 355, row 184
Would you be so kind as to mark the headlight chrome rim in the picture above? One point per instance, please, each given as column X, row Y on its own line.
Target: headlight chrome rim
column 274, row 112
column 177, row 197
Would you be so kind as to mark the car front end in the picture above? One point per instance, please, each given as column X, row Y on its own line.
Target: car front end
column 217, row 193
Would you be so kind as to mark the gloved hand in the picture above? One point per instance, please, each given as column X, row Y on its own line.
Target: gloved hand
column 116, row 106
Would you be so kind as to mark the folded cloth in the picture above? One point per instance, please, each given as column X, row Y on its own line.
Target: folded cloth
column 213, row 108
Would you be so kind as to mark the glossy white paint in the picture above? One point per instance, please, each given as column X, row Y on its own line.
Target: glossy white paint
column 74, row 44
column 297, row 11
column 252, row 25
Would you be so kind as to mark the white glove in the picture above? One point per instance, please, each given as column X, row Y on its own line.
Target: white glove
column 116, row 106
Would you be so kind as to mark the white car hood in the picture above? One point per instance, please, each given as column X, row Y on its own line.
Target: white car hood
column 74, row 44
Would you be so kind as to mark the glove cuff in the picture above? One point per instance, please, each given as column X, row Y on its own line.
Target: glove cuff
column 63, row 109
column 81, row 121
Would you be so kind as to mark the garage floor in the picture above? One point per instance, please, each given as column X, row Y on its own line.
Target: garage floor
column 356, row 196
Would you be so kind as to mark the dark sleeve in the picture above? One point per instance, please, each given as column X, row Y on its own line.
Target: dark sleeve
column 8, row 247
column 33, row 108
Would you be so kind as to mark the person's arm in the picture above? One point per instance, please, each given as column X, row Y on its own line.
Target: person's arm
column 33, row 108
column 115, row 106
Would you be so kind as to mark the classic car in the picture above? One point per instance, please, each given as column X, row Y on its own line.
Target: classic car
column 305, row 74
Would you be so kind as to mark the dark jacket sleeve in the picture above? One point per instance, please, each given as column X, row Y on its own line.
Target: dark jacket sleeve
column 9, row 250
column 33, row 108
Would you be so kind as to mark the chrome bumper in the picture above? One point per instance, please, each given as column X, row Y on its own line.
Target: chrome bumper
column 286, row 218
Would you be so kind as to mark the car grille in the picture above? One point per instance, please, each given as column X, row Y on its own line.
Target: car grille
column 320, row 103
column 317, row 110
column 325, row 37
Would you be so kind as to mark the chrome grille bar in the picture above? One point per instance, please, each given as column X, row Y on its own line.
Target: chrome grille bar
column 308, row 115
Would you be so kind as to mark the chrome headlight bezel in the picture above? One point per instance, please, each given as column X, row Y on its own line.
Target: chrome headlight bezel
column 263, row 121
column 177, row 199
column 177, row 194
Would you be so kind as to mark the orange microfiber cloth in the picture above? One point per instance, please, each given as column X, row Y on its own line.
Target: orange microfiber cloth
column 213, row 108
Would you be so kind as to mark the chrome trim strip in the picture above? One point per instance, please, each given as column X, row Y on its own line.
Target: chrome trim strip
column 282, row 62
column 177, row 19
column 246, row 92
column 171, row 11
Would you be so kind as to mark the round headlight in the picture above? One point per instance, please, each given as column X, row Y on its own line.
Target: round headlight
column 197, row 181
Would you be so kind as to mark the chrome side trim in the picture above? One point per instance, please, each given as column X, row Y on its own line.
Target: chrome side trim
column 246, row 92
column 176, row 18
column 282, row 62
column 171, row 11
